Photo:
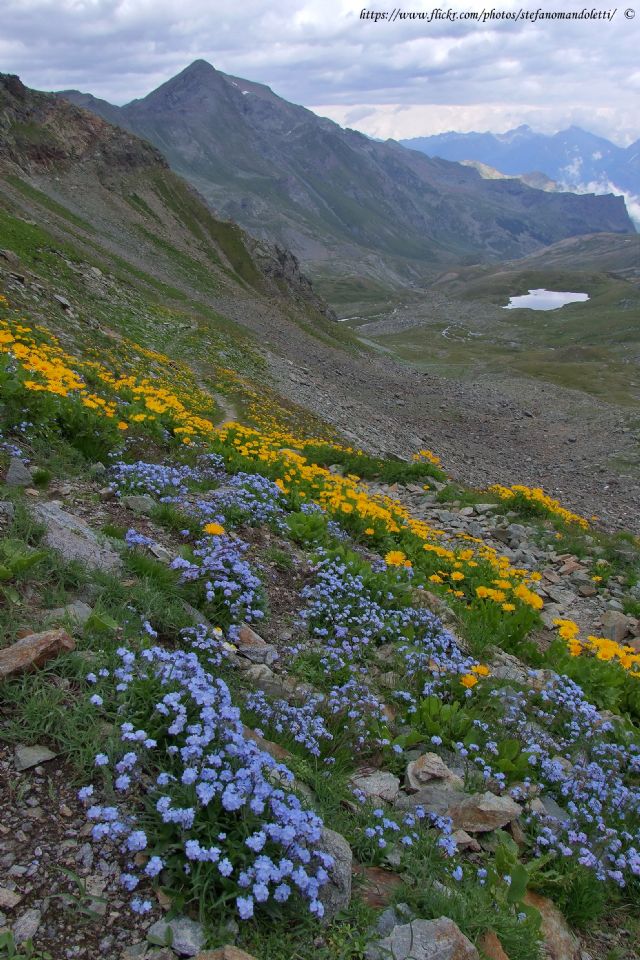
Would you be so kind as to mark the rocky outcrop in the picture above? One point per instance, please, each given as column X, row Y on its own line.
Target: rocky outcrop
column 34, row 651
column 438, row 939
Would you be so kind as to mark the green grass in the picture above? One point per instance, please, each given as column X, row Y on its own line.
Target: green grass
column 32, row 193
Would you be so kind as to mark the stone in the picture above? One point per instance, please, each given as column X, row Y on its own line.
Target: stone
column 27, row 757
column 505, row 666
column 429, row 767
column 9, row 899
column 465, row 841
column 547, row 807
column 64, row 303
column 7, row 510
column 438, row 939
column 491, row 946
column 436, row 797
column 615, row 625
column 559, row 942
column 281, row 754
column 34, row 650
column 377, row 784
column 336, row 894
column 140, row 503
column 483, row 812
column 227, row 952
column 185, row 936
column 74, row 539
column 161, row 553
column 78, row 611
column 18, row 474
column 377, row 885
column 587, row 590
column 10, row 257
column 251, row 645
column 26, row 926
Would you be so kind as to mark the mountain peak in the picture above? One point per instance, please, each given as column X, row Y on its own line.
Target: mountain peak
column 199, row 68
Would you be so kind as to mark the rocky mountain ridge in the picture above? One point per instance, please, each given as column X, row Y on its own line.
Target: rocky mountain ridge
column 349, row 207
column 574, row 156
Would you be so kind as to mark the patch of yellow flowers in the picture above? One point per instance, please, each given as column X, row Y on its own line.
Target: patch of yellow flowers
column 601, row 647
column 345, row 496
column 131, row 398
column 132, row 385
column 538, row 497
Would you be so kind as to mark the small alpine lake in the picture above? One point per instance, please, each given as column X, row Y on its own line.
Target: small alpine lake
column 544, row 299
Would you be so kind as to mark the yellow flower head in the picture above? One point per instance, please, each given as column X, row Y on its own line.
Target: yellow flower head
column 214, row 529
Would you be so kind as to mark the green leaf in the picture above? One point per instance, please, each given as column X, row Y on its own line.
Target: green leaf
column 518, row 887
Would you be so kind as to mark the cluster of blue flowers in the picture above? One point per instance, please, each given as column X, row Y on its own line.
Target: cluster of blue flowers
column 302, row 722
column 227, row 579
column 219, row 799
column 165, row 481
column 247, row 498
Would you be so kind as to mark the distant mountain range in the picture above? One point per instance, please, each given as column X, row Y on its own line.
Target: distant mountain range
column 364, row 217
column 573, row 157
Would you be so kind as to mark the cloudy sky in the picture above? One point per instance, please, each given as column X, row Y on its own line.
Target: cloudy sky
column 389, row 79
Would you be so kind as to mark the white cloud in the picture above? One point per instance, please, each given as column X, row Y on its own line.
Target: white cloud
column 401, row 79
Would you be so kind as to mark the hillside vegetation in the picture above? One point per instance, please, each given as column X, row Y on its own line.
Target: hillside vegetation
column 266, row 693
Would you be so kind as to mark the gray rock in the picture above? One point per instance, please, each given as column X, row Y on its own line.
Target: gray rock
column 429, row 767
column 27, row 757
column 336, row 894
column 615, row 625
column 64, row 303
column 379, row 784
column 78, row 611
column 483, row 812
column 73, row 538
column 140, row 503
column 185, row 936
column 436, row 798
column 438, row 939
column 7, row 509
column 18, row 474
column 547, row 807
column 251, row 645
column 26, row 926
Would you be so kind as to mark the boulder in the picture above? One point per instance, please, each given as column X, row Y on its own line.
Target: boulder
column 9, row 898
column 33, row 651
column 438, row 939
column 27, row 757
column 491, row 946
column 18, row 474
column 251, row 645
column 436, row 797
column 559, row 942
column 377, row 886
column 615, row 625
column 483, row 812
column 336, row 894
column 26, row 926
column 74, row 539
column 78, row 611
column 186, row 937
column 281, row 754
column 377, row 784
column 429, row 767
column 140, row 503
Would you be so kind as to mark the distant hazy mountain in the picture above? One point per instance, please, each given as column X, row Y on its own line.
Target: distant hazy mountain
column 573, row 157
column 348, row 206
